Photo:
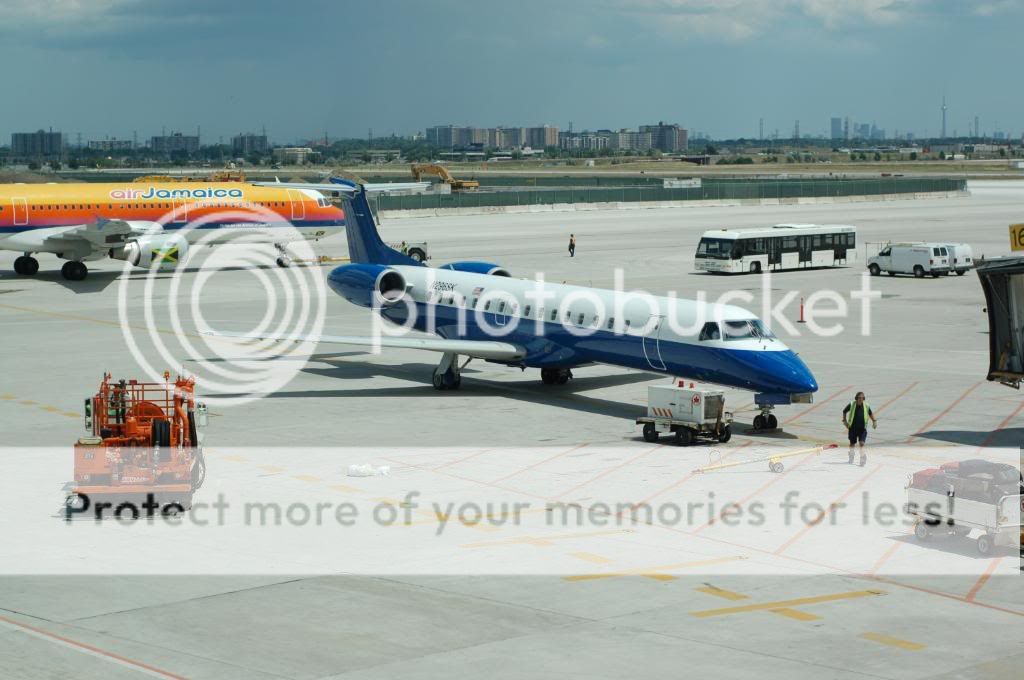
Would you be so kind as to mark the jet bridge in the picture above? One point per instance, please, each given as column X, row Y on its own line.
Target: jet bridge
column 1003, row 282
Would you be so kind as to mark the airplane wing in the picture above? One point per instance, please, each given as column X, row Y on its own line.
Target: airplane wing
column 94, row 238
column 478, row 349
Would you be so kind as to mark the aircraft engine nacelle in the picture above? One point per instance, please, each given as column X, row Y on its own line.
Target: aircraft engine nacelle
column 478, row 268
column 164, row 252
column 367, row 285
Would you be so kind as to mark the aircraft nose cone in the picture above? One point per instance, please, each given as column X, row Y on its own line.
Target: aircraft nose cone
column 794, row 375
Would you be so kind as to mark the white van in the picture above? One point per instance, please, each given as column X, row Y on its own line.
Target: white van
column 911, row 258
column 961, row 257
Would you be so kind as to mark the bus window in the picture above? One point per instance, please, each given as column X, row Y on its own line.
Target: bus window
column 715, row 248
column 710, row 332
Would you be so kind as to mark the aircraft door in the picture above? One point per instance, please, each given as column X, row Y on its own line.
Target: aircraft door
column 179, row 211
column 20, row 206
column 652, row 343
column 295, row 198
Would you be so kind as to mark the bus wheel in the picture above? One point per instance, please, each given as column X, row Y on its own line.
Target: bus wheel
column 755, row 267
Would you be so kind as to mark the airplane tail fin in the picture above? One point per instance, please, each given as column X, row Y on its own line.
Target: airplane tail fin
column 364, row 242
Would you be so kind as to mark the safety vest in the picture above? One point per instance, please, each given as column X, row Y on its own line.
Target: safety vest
column 852, row 412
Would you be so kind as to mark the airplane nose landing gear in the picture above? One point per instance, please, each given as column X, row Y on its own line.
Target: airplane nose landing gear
column 446, row 375
column 283, row 260
column 555, row 376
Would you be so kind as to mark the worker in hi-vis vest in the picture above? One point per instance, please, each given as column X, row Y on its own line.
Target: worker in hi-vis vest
column 855, row 419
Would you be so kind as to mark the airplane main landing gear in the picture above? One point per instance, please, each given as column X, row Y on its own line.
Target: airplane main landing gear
column 283, row 260
column 26, row 265
column 74, row 271
column 446, row 375
column 553, row 376
column 766, row 420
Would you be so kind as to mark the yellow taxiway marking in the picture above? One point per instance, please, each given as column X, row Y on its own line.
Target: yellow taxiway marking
column 893, row 642
column 69, row 414
column 234, row 459
column 270, row 468
column 723, row 593
column 795, row 614
column 543, row 540
column 785, row 604
column 307, row 478
column 590, row 557
column 50, row 409
column 346, row 488
column 7, row 396
column 653, row 572
column 28, row 402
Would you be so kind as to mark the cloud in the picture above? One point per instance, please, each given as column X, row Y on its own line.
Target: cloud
column 736, row 20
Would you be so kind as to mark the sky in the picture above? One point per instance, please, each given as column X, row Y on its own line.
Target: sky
column 305, row 67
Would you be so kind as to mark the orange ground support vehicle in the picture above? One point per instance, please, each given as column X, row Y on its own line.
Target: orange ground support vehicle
column 144, row 444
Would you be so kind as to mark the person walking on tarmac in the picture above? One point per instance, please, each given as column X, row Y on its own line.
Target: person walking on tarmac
column 855, row 420
column 405, row 248
column 572, row 245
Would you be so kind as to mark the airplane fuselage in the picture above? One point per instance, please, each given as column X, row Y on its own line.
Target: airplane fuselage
column 575, row 325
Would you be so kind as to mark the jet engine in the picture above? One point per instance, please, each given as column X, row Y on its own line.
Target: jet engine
column 166, row 251
column 367, row 285
column 477, row 268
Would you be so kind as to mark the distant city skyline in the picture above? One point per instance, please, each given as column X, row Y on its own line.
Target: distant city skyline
column 118, row 68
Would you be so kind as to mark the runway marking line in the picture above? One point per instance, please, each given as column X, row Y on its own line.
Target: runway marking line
column 270, row 468
column 307, row 478
column 795, row 614
column 785, row 604
column 819, row 404
column 944, row 412
column 886, row 404
column 832, row 506
column 610, row 470
column 776, row 478
column 983, row 579
column 722, row 593
column 1000, row 426
column 346, row 488
column 691, row 475
column 462, row 460
column 89, row 649
column 653, row 572
column 893, row 642
column 538, row 464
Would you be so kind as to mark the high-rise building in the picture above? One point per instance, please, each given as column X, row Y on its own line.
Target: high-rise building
column 174, row 142
column 39, row 145
column 667, row 137
column 837, row 128
column 450, row 136
column 248, row 144
column 541, row 137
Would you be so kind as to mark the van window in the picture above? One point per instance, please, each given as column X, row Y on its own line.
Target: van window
column 885, row 253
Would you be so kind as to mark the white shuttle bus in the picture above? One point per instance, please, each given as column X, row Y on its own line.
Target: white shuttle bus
column 784, row 246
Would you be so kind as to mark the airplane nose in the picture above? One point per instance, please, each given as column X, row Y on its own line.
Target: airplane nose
column 794, row 374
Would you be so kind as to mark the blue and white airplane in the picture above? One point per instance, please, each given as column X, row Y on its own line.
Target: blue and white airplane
column 477, row 310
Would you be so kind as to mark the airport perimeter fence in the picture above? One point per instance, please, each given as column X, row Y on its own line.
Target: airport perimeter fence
column 708, row 190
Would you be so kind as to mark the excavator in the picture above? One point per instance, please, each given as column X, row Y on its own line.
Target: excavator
column 446, row 177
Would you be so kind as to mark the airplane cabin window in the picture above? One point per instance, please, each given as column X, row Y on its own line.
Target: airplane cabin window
column 554, row 314
column 527, row 311
column 611, row 322
column 579, row 322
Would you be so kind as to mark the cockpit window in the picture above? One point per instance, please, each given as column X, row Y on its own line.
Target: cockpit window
column 745, row 330
column 710, row 332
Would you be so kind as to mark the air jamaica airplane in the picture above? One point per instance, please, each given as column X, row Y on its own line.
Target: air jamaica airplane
column 145, row 222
